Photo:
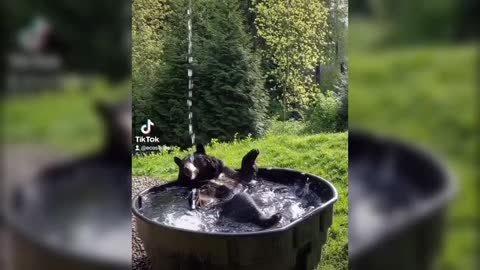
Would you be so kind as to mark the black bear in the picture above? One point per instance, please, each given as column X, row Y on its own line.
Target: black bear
column 199, row 167
column 107, row 170
column 116, row 118
column 215, row 185
column 111, row 163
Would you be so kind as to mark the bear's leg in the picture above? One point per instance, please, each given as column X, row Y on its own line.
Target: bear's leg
column 242, row 208
column 248, row 171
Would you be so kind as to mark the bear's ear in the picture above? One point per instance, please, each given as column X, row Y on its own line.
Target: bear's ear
column 178, row 161
column 200, row 149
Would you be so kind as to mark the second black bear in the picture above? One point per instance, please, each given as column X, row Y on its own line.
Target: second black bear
column 215, row 185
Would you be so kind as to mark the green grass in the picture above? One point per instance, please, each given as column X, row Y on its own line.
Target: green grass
column 64, row 119
column 424, row 95
column 321, row 154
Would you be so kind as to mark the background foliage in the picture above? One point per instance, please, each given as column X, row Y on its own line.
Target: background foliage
column 148, row 29
column 323, row 117
column 90, row 36
column 228, row 95
column 295, row 35
column 241, row 59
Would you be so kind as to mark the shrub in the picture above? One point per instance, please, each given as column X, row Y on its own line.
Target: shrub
column 341, row 90
column 291, row 127
column 324, row 115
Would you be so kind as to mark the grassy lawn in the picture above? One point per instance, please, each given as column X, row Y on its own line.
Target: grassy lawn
column 64, row 119
column 426, row 95
column 322, row 154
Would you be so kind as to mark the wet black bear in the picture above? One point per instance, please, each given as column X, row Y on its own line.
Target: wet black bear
column 111, row 164
column 116, row 119
column 215, row 185
column 106, row 171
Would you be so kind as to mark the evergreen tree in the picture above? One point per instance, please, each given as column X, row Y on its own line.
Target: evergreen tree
column 167, row 102
column 228, row 95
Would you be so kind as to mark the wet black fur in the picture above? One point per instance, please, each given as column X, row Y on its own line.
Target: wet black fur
column 211, row 167
column 113, row 159
column 242, row 208
column 239, row 207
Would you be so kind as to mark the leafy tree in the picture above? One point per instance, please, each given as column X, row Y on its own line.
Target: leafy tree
column 148, row 31
column 339, row 24
column 148, row 27
column 295, row 34
column 228, row 97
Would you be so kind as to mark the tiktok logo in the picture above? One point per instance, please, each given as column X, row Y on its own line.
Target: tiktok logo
column 147, row 128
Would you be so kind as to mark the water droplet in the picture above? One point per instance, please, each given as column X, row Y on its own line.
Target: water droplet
column 190, row 73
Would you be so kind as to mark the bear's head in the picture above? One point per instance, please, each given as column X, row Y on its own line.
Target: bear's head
column 198, row 167
column 116, row 119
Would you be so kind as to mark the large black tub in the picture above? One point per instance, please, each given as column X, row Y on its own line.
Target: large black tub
column 76, row 234
column 398, row 195
column 296, row 246
column 79, row 223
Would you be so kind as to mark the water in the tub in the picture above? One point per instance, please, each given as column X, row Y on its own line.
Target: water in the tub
column 170, row 207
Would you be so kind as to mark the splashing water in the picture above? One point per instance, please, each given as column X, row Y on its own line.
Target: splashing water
column 79, row 222
column 170, row 207
column 190, row 75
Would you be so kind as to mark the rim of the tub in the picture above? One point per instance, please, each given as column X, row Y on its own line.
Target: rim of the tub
column 14, row 225
column 287, row 227
column 430, row 205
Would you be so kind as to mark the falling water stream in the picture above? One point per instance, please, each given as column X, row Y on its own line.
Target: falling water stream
column 190, row 74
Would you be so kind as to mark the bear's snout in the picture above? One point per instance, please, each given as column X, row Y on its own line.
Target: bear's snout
column 190, row 170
